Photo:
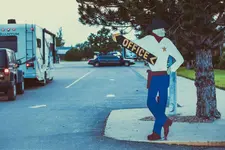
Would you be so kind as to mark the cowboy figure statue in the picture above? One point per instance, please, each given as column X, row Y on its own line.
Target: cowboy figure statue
column 158, row 75
column 157, row 44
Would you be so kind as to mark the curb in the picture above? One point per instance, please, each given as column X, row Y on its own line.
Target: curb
column 105, row 123
column 178, row 143
column 206, row 144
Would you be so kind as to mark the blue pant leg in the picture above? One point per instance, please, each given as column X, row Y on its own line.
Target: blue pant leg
column 151, row 102
column 158, row 117
column 163, row 92
column 153, row 105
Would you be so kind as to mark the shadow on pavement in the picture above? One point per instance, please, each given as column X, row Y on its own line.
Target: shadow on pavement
column 3, row 97
column 29, row 85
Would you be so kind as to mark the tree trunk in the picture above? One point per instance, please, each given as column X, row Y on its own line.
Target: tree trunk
column 205, row 84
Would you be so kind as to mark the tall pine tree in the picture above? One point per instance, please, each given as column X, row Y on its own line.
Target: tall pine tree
column 196, row 25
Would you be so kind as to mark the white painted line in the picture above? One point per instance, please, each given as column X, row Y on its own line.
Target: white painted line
column 110, row 95
column 79, row 79
column 38, row 106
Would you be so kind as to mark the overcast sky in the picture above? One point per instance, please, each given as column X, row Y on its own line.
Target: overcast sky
column 51, row 14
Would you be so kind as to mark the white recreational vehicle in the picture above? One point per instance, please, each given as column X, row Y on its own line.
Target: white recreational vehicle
column 34, row 47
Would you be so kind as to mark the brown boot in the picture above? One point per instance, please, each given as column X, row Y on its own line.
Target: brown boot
column 153, row 136
column 166, row 126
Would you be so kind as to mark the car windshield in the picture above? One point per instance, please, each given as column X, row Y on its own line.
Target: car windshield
column 2, row 59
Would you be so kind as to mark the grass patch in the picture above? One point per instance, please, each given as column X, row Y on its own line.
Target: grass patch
column 190, row 74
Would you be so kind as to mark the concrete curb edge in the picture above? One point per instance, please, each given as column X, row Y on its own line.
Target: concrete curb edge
column 179, row 143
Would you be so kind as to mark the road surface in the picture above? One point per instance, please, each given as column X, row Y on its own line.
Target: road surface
column 70, row 112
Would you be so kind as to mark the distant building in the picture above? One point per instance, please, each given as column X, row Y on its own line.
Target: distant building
column 61, row 51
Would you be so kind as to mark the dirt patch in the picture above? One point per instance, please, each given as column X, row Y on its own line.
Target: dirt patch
column 188, row 119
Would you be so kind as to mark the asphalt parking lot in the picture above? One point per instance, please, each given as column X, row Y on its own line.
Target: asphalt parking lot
column 70, row 112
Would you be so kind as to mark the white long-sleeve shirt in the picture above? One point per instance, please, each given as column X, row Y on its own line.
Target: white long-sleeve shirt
column 161, row 50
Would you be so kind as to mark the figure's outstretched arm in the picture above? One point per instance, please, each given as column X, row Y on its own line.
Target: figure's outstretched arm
column 174, row 52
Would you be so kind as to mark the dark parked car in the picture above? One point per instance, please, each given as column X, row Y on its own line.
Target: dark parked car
column 11, row 78
column 106, row 60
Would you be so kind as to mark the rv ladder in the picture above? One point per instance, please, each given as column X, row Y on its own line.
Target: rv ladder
column 29, row 41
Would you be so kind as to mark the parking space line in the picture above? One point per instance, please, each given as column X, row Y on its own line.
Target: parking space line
column 110, row 95
column 79, row 79
column 38, row 106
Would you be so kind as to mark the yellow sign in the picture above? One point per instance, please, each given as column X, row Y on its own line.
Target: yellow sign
column 139, row 51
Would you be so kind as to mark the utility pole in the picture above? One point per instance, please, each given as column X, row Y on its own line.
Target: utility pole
column 172, row 98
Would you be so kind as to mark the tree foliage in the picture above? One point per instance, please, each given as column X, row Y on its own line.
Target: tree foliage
column 193, row 22
column 74, row 54
column 79, row 52
column 102, row 41
column 59, row 38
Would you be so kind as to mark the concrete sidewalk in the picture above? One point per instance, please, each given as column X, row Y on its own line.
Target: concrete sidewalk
column 126, row 124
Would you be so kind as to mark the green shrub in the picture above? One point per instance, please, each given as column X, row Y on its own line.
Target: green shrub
column 73, row 55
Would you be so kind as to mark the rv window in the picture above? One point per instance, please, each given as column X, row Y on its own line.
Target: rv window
column 39, row 43
column 2, row 59
column 9, row 42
